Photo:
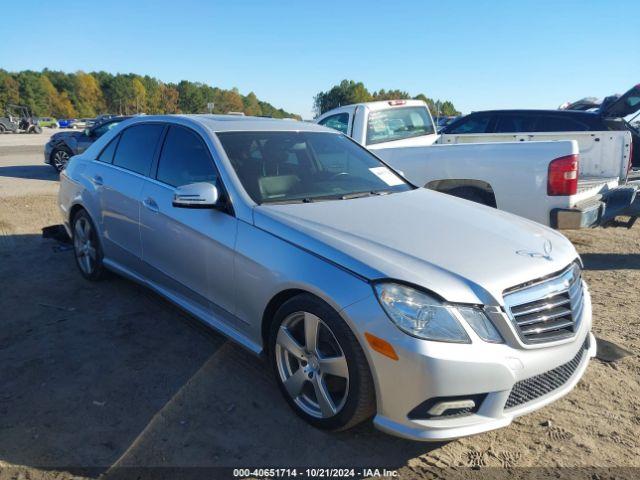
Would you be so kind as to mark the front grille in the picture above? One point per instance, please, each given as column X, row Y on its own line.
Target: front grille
column 547, row 310
column 535, row 387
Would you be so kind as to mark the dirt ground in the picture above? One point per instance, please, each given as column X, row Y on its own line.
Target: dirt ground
column 107, row 374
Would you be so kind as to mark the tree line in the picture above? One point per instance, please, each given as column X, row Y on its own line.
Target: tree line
column 58, row 94
column 348, row 92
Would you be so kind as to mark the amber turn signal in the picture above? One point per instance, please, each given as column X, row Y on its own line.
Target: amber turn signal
column 381, row 346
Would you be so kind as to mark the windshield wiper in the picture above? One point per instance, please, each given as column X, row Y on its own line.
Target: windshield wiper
column 349, row 196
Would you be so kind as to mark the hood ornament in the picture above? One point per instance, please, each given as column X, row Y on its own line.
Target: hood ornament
column 547, row 248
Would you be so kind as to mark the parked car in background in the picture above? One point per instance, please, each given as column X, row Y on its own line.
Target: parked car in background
column 605, row 117
column 540, row 180
column 66, row 122
column 63, row 145
column 369, row 296
column 442, row 122
column 103, row 117
column 82, row 123
column 47, row 122
column 8, row 124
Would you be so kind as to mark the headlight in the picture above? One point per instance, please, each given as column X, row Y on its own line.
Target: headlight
column 424, row 316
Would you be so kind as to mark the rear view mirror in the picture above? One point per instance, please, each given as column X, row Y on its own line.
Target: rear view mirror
column 196, row 195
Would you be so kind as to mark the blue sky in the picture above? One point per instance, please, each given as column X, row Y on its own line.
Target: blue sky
column 480, row 55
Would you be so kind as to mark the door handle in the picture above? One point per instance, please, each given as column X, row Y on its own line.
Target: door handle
column 97, row 180
column 150, row 204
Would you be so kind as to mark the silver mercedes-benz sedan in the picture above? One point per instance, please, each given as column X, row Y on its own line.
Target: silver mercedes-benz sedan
column 370, row 297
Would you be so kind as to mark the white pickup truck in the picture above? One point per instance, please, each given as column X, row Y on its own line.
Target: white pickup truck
column 563, row 180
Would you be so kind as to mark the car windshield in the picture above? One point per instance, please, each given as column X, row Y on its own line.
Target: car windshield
column 397, row 124
column 288, row 167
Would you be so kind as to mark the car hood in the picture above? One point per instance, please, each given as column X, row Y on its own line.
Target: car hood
column 66, row 135
column 462, row 251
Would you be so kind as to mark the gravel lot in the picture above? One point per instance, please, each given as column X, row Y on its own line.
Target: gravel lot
column 109, row 374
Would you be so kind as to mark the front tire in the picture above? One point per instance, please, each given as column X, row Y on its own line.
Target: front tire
column 59, row 158
column 86, row 247
column 319, row 365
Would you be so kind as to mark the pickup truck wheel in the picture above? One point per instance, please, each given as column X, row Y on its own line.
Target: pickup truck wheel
column 59, row 158
column 472, row 194
column 319, row 365
column 2, row 129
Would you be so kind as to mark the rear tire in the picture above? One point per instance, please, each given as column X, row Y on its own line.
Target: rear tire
column 2, row 129
column 328, row 384
column 86, row 247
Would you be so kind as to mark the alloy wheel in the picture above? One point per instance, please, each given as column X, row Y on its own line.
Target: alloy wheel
column 312, row 365
column 84, row 246
column 60, row 159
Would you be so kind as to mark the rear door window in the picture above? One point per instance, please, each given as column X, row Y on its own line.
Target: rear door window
column 470, row 124
column 338, row 122
column 137, row 147
column 554, row 123
column 185, row 159
column 514, row 123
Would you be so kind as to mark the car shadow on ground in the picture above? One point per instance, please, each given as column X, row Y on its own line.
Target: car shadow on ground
column 610, row 261
column 108, row 374
column 32, row 172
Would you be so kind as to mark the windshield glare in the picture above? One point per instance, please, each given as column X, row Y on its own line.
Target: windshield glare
column 398, row 123
column 306, row 166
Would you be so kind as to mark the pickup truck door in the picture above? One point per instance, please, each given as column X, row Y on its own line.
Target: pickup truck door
column 341, row 121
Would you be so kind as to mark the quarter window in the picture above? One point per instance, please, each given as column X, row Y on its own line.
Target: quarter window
column 106, row 155
column 338, row 122
column 185, row 159
column 137, row 146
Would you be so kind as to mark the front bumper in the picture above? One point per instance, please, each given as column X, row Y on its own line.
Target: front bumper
column 427, row 370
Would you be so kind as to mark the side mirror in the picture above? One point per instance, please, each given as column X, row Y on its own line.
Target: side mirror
column 87, row 132
column 196, row 195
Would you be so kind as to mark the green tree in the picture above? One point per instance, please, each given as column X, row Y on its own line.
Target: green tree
column 169, row 99
column 252, row 105
column 349, row 92
column 57, row 104
column 139, row 95
column 191, row 98
column 346, row 93
column 89, row 97
column 9, row 90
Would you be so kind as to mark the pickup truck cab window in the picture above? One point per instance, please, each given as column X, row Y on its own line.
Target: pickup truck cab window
column 185, row 159
column 338, row 122
column 398, row 124
column 306, row 166
column 137, row 147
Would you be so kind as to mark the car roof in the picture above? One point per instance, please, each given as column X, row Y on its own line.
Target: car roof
column 235, row 123
column 578, row 113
